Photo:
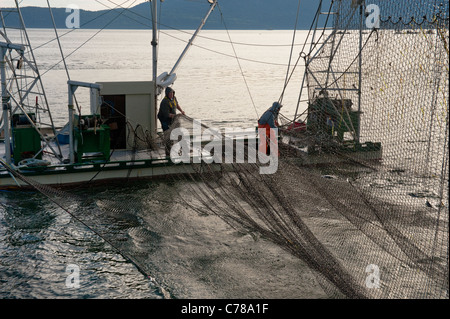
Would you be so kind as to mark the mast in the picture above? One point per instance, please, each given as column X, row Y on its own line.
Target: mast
column 155, row 62
column 166, row 79
column 361, row 16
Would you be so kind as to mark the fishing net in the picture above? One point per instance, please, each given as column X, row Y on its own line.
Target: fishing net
column 401, row 67
column 360, row 188
column 371, row 215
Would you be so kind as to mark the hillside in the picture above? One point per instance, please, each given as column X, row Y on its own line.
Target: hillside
column 182, row 14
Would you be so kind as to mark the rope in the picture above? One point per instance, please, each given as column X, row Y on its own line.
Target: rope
column 239, row 64
column 84, row 43
column 61, row 51
column 290, row 55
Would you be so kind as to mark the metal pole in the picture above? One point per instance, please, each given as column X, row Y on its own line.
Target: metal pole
column 360, row 69
column 5, row 107
column 155, row 65
column 71, row 90
column 155, row 39
column 4, row 47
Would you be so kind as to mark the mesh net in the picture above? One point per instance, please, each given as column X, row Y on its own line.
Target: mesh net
column 403, row 104
column 372, row 218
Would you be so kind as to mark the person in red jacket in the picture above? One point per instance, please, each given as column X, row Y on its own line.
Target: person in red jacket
column 268, row 121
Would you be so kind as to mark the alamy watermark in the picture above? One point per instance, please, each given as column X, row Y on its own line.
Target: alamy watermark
column 373, row 16
column 73, row 19
column 73, row 276
column 223, row 147
column 373, row 279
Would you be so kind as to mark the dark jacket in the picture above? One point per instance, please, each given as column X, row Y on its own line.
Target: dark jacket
column 167, row 107
column 270, row 115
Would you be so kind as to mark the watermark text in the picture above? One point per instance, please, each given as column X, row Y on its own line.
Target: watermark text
column 234, row 145
column 73, row 276
column 73, row 19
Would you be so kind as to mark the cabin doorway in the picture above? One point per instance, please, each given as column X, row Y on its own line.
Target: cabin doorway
column 113, row 111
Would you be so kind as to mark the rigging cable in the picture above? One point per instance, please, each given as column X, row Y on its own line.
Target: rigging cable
column 72, row 30
column 62, row 53
column 374, row 30
column 237, row 59
column 225, row 54
column 187, row 32
column 93, row 36
column 179, row 30
column 202, row 36
column 313, row 46
column 290, row 55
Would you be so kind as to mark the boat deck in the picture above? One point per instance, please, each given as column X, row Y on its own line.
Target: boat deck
column 115, row 155
column 121, row 164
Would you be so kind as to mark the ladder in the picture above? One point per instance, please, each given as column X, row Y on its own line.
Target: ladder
column 324, row 81
column 23, row 83
column 319, row 39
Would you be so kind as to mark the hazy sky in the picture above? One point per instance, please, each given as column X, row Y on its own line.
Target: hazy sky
column 83, row 4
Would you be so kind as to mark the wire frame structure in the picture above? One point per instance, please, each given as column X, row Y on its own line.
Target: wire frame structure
column 25, row 92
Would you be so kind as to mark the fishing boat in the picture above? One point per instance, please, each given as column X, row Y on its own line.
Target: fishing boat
column 100, row 146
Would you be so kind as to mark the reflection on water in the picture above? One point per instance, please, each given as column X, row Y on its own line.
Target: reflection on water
column 39, row 240
column 186, row 254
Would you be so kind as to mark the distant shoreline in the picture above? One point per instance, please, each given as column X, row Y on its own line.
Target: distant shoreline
column 165, row 29
column 268, row 15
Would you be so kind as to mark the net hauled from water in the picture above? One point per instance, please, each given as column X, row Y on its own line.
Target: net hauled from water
column 376, row 229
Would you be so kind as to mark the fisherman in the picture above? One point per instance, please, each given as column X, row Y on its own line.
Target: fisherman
column 268, row 121
column 168, row 109
column 166, row 115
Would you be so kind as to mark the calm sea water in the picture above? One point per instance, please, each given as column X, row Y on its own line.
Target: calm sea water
column 212, row 84
column 40, row 243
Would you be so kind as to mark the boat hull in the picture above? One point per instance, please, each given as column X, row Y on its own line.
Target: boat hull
column 74, row 175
